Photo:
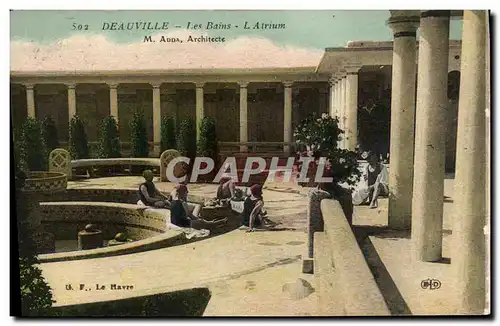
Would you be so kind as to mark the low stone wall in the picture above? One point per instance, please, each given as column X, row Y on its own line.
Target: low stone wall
column 66, row 219
column 128, row 196
column 359, row 291
column 148, row 226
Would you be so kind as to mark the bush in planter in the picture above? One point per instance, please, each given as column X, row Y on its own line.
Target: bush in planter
column 78, row 143
column 109, row 142
column 168, row 140
column 49, row 134
column 32, row 151
column 139, row 136
column 319, row 136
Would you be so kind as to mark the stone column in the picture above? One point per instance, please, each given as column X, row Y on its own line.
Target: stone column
column 343, row 111
column 156, row 118
column 352, row 107
column 432, row 103
column 287, row 115
column 113, row 100
column 468, row 254
column 30, row 100
column 71, row 101
column 333, row 97
column 243, row 115
column 402, row 119
column 199, row 107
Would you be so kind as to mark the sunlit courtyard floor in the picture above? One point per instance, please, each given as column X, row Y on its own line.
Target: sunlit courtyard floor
column 246, row 272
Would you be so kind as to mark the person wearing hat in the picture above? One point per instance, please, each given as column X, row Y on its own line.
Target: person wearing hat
column 149, row 194
column 227, row 186
column 186, row 215
column 253, row 208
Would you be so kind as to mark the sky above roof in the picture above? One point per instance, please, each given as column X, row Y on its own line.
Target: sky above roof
column 53, row 40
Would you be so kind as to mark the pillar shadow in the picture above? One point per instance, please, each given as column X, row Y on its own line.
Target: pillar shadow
column 393, row 298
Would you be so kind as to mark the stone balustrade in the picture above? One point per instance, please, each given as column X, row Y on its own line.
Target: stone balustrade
column 344, row 273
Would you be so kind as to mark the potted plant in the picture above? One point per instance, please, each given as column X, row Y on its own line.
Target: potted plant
column 318, row 136
column 207, row 146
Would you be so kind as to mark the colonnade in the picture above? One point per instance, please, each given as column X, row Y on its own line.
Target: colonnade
column 199, row 86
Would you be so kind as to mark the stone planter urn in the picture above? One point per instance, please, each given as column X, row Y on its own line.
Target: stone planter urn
column 39, row 186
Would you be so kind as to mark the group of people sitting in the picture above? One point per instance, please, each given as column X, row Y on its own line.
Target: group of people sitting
column 184, row 214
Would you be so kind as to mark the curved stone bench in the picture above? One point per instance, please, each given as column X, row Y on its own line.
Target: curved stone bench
column 338, row 259
column 149, row 226
column 153, row 162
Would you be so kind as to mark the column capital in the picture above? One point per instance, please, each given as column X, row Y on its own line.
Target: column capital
column 243, row 84
column 156, row 84
column 402, row 25
column 113, row 85
column 288, row 83
column 71, row 85
column 353, row 69
column 29, row 86
column 435, row 14
column 199, row 84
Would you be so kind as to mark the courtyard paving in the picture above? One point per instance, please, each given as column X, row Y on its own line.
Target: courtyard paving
column 246, row 272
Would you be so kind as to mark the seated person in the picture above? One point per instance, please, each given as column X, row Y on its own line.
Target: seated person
column 376, row 177
column 253, row 209
column 186, row 215
column 149, row 194
column 226, row 188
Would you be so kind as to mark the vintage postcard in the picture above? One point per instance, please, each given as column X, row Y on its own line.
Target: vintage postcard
column 250, row 162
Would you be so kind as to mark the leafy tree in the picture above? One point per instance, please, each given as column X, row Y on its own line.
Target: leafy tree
column 139, row 136
column 109, row 141
column 319, row 135
column 78, row 143
column 49, row 134
column 186, row 138
column 32, row 148
column 168, row 136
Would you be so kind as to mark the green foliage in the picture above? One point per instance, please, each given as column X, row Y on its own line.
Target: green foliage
column 49, row 134
column 36, row 295
column 78, row 143
column 207, row 145
column 186, row 139
column 32, row 151
column 139, row 136
column 168, row 140
column 109, row 142
column 319, row 135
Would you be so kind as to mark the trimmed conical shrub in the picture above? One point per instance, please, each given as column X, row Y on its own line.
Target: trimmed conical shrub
column 139, row 136
column 207, row 145
column 186, row 138
column 49, row 134
column 168, row 136
column 109, row 141
column 78, row 142
column 32, row 148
